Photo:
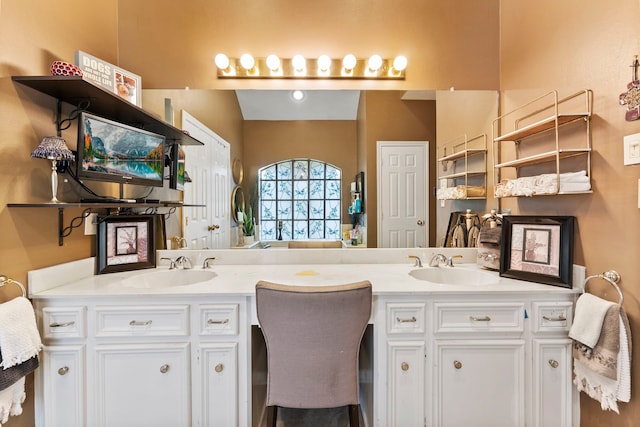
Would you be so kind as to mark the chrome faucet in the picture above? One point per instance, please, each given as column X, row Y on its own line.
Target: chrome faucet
column 184, row 261
column 172, row 263
column 438, row 258
column 418, row 261
column 206, row 263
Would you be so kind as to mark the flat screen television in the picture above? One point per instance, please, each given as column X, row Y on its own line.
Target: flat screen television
column 115, row 152
column 176, row 177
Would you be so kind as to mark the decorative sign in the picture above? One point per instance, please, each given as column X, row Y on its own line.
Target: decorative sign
column 114, row 79
column 631, row 98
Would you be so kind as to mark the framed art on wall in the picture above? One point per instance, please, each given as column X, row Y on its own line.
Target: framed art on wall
column 538, row 249
column 125, row 243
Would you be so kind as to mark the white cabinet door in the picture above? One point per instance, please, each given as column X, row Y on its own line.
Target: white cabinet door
column 406, row 391
column 479, row 383
column 219, row 376
column 62, row 378
column 143, row 385
column 552, row 387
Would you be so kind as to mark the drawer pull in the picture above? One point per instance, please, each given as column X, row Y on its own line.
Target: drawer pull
column 140, row 323
column 553, row 363
column 219, row 367
column 164, row 369
column 457, row 364
column 412, row 319
column 480, row 319
column 63, row 370
column 558, row 318
column 217, row 322
column 404, row 366
column 61, row 324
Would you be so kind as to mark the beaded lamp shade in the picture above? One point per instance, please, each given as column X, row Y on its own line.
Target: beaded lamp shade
column 53, row 148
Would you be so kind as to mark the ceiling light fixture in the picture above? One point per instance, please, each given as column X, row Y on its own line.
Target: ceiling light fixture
column 297, row 95
column 348, row 67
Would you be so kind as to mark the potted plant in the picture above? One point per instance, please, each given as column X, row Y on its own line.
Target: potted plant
column 248, row 226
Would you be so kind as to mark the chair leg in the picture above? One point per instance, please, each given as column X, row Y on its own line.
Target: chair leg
column 272, row 416
column 354, row 415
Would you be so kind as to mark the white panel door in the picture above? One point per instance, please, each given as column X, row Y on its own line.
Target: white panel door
column 208, row 167
column 402, row 194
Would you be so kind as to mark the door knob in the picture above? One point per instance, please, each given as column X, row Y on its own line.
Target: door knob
column 213, row 227
column 420, row 222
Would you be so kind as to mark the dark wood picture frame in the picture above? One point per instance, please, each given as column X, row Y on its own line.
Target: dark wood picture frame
column 538, row 249
column 125, row 243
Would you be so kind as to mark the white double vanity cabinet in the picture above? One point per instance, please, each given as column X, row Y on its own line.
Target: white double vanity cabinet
column 170, row 348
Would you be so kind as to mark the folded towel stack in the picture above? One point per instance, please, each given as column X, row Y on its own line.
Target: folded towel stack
column 460, row 192
column 601, row 351
column 571, row 182
column 19, row 346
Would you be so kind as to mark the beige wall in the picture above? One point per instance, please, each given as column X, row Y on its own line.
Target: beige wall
column 569, row 45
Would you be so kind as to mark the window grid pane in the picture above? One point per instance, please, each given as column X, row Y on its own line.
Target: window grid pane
column 303, row 196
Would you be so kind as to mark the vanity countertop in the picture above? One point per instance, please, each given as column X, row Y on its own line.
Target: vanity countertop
column 76, row 279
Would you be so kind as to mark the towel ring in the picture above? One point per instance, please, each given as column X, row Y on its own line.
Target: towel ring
column 610, row 276
column 5, row 280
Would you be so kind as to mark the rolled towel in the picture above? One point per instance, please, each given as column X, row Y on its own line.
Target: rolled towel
column 19, row 337
column 589, row 317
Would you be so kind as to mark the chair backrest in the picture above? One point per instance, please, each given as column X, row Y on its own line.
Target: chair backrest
column 313, row 336
column 314, row 244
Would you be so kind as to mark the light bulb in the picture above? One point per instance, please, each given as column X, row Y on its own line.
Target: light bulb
column 375, row 62
column 298, row 62
column 273, row 62
column 324, row 62
column 247, row 61
column 400, row 63
column 222, row 61
column 349, row 62
column 298, row 95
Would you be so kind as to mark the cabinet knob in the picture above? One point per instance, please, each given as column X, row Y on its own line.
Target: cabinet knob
column 553, row 363
column 404, row 366
column 164, row 369
column 219, row 367
column 457, row 364
column 63, row 370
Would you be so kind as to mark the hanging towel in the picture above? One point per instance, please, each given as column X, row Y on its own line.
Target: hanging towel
column 19, row 337
column 604, row 371
column 587, row 322
column 11, row 400
column 11, row 375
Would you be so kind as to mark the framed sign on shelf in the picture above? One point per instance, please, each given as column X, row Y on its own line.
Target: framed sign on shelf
column 125, row 243
column 538, row 249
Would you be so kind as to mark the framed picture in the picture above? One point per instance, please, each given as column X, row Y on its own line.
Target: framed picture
column 538, row 249
column 125, row 243
column 123, row 83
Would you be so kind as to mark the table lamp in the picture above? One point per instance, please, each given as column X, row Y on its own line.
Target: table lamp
column 53, row 148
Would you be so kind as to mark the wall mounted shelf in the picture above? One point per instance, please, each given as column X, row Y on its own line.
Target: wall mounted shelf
column 91, row 208
column 75, row 91
column 467, row 159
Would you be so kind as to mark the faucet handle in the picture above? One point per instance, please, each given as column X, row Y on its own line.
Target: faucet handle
column 206, row 263
column 418, row 261
column 451, row 258
column 172, row 263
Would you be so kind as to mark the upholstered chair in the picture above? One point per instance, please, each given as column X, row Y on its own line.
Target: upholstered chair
column 313, row 336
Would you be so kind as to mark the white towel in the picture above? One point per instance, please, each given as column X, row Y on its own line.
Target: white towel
column 624, row 363
column 11, row 400
column 19, row 337
column 588, row 319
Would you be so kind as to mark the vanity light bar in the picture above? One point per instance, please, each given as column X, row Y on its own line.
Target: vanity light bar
column 299, row 67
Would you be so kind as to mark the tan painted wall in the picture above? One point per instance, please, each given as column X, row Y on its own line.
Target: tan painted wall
column 571, row 45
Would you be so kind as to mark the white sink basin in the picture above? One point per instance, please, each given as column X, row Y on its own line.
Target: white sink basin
column 454, row 276
column 165, row 278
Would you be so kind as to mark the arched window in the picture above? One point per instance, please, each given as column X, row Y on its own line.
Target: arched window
column 299, row 199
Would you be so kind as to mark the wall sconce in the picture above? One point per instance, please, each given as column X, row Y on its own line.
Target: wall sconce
column 53, row 148
column 299, row 67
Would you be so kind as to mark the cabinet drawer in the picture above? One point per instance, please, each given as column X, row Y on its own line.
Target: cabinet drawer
column 159, row 320
column 552, row 316
column 219, row 319
column 405, row 318
column 63, row 322
column 478, row 317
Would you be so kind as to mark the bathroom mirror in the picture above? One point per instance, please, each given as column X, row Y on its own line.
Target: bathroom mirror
column 456, row 113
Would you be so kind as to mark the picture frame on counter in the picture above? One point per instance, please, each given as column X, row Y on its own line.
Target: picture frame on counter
column 538, row 249
column 125, row 243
